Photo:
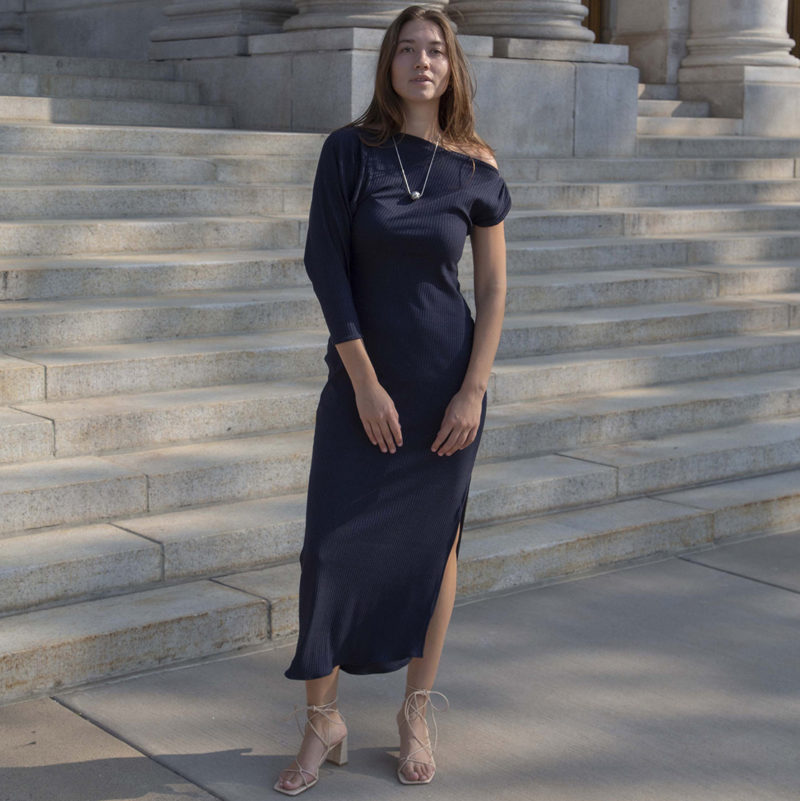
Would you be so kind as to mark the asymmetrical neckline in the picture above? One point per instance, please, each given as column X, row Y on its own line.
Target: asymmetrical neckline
column 423, row 140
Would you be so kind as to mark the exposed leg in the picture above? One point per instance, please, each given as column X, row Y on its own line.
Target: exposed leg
column 421, row 671
column 318, row 691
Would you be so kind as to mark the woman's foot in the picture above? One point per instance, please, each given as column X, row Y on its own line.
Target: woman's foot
column 332, row 728
column 416, row 755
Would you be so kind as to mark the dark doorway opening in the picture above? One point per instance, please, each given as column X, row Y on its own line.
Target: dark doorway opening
column 794, row 25
column 594, row 19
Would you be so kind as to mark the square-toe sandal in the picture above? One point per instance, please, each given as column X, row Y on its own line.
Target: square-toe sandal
column 411, row 710
column 335, row 752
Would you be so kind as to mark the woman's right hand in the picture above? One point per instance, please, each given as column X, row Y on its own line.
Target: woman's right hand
column 379, row 416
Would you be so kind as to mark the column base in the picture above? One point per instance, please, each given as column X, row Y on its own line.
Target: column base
column 767, row 99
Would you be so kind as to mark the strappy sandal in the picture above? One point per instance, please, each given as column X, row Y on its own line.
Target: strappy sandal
column 411, row 709
column 335, row 752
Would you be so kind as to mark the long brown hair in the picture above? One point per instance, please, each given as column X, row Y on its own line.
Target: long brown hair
column 385, row 116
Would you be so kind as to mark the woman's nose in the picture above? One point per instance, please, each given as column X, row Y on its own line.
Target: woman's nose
column 422, row 58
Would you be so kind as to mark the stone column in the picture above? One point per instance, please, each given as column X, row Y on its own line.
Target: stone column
column 12, row 26
column 729, row 32
column 656, row 32
column 209, row 28
column 739, row 62
column 524, row 19
column 349, row 13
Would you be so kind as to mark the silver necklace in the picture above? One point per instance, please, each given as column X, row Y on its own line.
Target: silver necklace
column 415, row 195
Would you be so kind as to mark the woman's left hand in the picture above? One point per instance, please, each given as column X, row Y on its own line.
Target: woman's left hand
column 459, row 427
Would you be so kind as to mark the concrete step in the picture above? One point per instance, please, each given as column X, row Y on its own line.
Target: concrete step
column 697, row 457
column 103, row 369
column 600, row 407
column 689, row 249
column 59, row 492
column 31, row 169
column 68, row 86
column 126, row 236
column 92, row 201
column 718, row 147
column 650, row 107
column 658, row 91
column 568, row 543
column 650, row 221
column 68, row 564
column 262, row 464
column 609, row 194
column 603, row 370
column 101, row 275
column 124, row 422
column 62, row 564
column 530, row 428
column 30, row 63
column 59, row 323
column 24, row 437
column 123, row 168
column 263, row 169
column 648, row 168
column 55, row 137
column 113, row 112
column 688, row 126
column 20, row 380
column 93, row 370
column 281, row 230
column 55, row 323
column 71, row 644
column 550, row 332
column 55, row 648
column 104, row 202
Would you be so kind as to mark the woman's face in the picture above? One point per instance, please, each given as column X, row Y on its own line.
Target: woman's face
column 421, row 67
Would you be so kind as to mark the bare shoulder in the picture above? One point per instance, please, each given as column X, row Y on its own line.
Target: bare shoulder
column 477, row 153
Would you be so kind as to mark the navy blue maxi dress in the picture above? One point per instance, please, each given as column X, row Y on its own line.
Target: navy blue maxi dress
column 380, row 526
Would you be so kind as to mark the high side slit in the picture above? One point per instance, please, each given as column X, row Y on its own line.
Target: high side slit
column 380, row 526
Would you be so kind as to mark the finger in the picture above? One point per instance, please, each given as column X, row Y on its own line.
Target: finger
column 368, row 430
column 387, row 436
column 441, row 435
column 394, row 426
column 445, row 446
column 378, row 436
column 452, row 444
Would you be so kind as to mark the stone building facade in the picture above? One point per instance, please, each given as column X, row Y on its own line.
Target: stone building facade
column 547, row 85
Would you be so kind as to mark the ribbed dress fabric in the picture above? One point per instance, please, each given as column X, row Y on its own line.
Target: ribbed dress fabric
column 380, row 526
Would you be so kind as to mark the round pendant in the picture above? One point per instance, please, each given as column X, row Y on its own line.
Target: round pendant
column 415, row 195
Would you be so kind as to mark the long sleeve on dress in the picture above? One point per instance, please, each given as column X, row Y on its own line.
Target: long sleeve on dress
column 491, row 207
column 327, row 250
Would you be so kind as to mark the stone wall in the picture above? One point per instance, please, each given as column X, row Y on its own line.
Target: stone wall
column 100, row 28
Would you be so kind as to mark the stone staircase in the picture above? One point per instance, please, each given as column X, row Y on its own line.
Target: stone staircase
column 162, row 361
column 661, row 111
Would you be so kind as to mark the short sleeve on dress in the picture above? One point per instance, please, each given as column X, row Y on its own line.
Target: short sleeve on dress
column 492, row 203
column 327, row 249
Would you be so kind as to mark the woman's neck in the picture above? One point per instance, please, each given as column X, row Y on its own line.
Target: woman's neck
column 424, row 125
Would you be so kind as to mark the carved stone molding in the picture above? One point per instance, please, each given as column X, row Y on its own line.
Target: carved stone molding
column 731, row 32
column 349, row 13
column 523, row 19
column 223, row 24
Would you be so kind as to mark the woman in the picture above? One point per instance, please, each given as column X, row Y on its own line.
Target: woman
column 400, row 418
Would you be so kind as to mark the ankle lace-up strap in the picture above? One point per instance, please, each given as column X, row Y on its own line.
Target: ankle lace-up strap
column 411, row 707
column 323, row 709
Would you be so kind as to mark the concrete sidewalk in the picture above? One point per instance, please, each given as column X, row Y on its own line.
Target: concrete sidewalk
column 675, row 680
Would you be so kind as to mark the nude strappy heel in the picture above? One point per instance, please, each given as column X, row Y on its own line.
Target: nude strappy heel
column 335, row 752
column 410, row 709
